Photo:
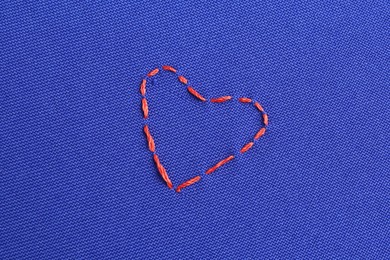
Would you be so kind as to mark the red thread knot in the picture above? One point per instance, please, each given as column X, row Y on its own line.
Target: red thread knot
column 265, row 119
column 260, row 133
column 220, row 99
column 153, row 72
column 149, row 138
column 187, row 183
column 162, row 171
column 245, row 100
column 195, row 93
column 143, row 87
column 145, row 108
column 224, row 161
column 182, row 79
column 169, row 68
column 246, row 147
column 259, row 107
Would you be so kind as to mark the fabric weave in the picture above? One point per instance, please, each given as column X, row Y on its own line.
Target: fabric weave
column 77, row 180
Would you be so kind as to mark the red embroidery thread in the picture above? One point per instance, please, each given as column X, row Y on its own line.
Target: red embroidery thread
column 259, row 107
column 245, row 100
column 142, row 88
column 224, row 161
column 149, row 137
column 187, row 183
column 260, row 133
column 145, row 108
column 153, row 72
column 196, row 94
column 221, row 99
column 162, row 171
column 169, row 68
column 247, row 147
column 183, row 80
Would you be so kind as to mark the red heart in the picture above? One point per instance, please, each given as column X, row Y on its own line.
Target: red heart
column 192, row 91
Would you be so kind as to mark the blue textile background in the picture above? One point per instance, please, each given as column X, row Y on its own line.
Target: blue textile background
column 77, row 180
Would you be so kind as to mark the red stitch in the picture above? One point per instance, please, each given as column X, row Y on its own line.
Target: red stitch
column 183, row 80
column 226, row 160
column 162, row 171
column 153, row 72
column 143, row 87
column 149, row 137
column 195, row 93
column 220, row 99
column 169, row 68
column 145, row 108
column 260, row 133
column 187, row 183
column 265, row 119
column 192, row 91
column 245, row 100
column 259, row 107
column 246, row 147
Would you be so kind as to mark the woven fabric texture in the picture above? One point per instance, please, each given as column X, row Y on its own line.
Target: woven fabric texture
column 77, row 180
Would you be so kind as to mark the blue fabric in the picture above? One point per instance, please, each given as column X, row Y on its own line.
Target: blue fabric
column 78, row 182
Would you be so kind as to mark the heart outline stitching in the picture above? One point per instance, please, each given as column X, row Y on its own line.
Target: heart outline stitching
column 196, row 94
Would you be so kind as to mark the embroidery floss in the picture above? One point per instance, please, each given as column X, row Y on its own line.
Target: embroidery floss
column 224, row 161
column 245, row 100
column 221, row 99
column 145, row 108
column 183, row 80
column 187, row 183
column 162, row 171
column 149, row 138
column 247, row 147
column 196, row 94
column 153, row 72
column 169, row 68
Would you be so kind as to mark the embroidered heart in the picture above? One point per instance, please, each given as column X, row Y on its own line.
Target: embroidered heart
column 201, row 98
